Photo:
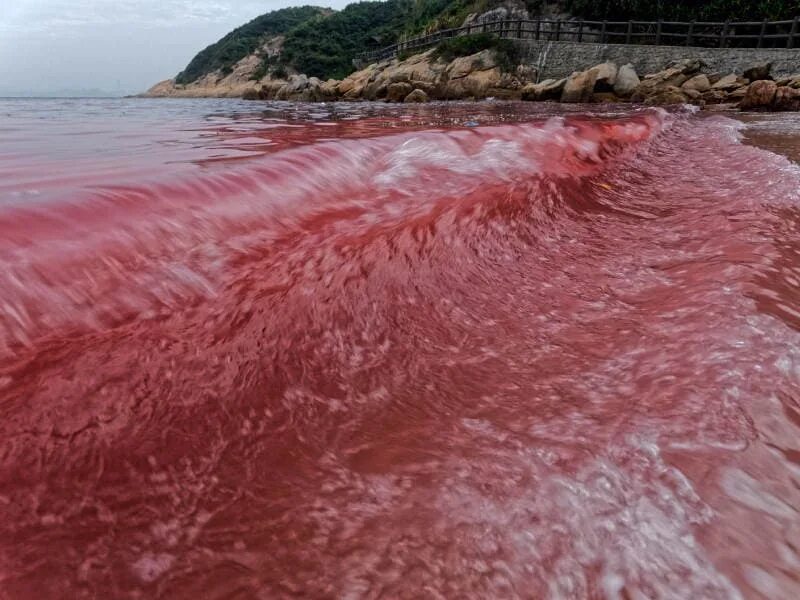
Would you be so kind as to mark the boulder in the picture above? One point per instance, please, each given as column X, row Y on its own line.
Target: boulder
column 668, row 95
column 329, row 89
column 416, row 95
column 396, row 92
column 658, row 83
column 478, row 83
column 729, row 82
column 738, row 94
column 691, row 93
column 579, row 86
column 270, row 88
column 758, row 72
column 698, row 83
column 605, row 76
column 627, row 81
column 352, row 86
column 787, row 98
column 549, row 89
column 464, row 65
column 715, row 97
column 759, row 94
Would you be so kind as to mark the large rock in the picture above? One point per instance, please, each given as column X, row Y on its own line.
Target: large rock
column 715, row 97
column 464, row 65
column 420, row 68
column 786, row 98
column 627, row 81
column 352, row 86
column 692, row 94
column 416, row 96
column 699, row 83
column 758, row 72
column 479, row 83
column 329, row 89
column 396, row 92
column 760, row 94
column 579, row 86
column 605, row 76
column 668, row 95
column 549, row 89
column 729, row 82
column 658, row 83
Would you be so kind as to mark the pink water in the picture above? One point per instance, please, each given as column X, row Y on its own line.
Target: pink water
column 457, row 351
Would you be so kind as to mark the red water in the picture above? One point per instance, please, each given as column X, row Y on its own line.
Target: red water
column 462, row 351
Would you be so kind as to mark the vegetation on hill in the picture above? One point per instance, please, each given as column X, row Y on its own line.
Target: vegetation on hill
column 322, row 43
column 244, row 40
column 700, row 10
column 325, row 46
column 506, row 51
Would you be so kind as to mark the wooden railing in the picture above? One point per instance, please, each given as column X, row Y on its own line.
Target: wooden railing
column 745, row 34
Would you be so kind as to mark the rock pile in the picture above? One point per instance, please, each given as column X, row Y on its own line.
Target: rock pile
column 417, row 79
column 422, row 77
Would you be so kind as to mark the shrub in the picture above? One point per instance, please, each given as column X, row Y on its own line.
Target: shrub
column 506, row 51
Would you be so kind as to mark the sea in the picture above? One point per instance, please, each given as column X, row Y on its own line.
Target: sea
column 353, row 350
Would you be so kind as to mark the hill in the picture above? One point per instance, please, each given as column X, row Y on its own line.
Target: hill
column 322, row 43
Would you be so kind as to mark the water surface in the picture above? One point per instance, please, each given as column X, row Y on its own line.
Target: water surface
column 360, row 351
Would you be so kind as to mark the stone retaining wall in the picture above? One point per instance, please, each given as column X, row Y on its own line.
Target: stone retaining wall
column 560, row 59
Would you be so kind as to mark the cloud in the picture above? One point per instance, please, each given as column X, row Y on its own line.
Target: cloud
column 114, row 44
column 61, row 16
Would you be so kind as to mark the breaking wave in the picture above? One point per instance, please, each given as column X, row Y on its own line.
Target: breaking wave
column 555, row 358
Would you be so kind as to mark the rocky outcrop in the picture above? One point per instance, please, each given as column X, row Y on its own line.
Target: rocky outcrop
column 237, row 83
column 627, row 81
column 760, row 94
column 549, row 89
column 396, row 92
column 758, row 72
column 579, row 86
column 699, row 83
column 416, row 96
column 423, row 77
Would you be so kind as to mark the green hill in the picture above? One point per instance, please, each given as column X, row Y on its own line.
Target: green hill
column 322, row 43
column 244, row 40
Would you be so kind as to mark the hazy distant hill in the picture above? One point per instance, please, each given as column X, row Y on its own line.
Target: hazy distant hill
column 62, row 93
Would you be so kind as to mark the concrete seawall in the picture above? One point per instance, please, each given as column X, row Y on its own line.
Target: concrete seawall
column 560, row 59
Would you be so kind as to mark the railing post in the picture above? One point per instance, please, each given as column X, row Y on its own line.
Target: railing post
column 538, row 28
column 629, row 32
column 790, row 39
column 558, row 29
column 723, row 34
column 580, row 30
column 689, row 34
column 762, row 34
column 519, row 29
column 603, row 33
column 658, row 33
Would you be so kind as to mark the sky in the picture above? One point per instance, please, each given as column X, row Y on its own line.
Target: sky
column 121, row 46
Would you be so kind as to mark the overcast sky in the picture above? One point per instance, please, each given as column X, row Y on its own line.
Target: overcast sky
column 116, row 45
